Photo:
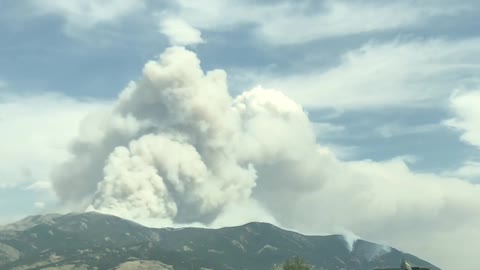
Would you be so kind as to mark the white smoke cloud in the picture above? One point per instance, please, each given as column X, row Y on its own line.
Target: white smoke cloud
column 176, row 148
column 350, row 239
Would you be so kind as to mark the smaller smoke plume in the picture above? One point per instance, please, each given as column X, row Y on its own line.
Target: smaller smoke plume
column 350, row 239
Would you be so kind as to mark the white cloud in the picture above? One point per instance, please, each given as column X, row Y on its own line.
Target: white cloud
column 327, row 129
column 340, row 18
column 342, row 152
column 179, row 32
column 247, row 152
column 303, row 21
column 469, row 170
column 466, row 108
column 393, row 129
column 35, row 131
column 293, row 22
column 40, row 186
column 39, row 205
column 378, row 75
column 217, row 14
column 86, row 14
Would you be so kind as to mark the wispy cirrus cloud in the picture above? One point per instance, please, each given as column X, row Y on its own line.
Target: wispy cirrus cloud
column 304, row 21
column 410, row 73
column 288, row 22
column 80, row 15
column 341, row 18
column 392, row 130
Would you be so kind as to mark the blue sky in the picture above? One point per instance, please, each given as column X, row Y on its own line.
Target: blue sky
column 380, row 81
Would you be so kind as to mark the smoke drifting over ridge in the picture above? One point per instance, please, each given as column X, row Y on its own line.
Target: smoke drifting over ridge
column 176, row 148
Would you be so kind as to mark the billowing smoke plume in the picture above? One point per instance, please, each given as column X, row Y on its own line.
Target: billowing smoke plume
column 176, row 148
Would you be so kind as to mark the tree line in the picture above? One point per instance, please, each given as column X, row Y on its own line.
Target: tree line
column 296, row 263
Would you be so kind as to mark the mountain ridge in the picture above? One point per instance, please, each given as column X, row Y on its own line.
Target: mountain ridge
column 105, row 241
